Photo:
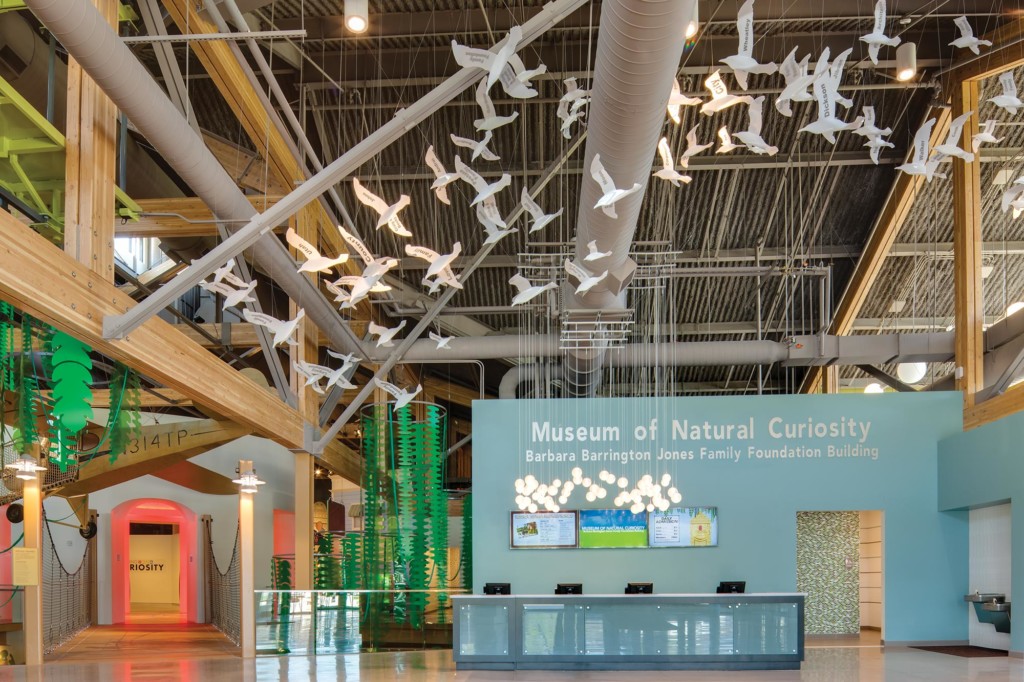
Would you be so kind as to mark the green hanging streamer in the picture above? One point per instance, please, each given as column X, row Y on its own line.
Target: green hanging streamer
column 29, row 401
column 7, row 372
column 283, row 581
column 124, row 421
column 467, row 541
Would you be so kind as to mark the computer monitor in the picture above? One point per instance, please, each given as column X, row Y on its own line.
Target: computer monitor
column 569, row 588
column 497, row 588
column 732, row 587
column 639, row 588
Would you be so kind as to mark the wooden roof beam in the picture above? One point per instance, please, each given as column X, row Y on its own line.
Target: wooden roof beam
column 42, row 280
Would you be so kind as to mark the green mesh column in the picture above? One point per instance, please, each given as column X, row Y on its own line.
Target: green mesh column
column 467, row 541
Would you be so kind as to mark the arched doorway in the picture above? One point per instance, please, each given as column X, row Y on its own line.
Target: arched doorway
column 153, row 511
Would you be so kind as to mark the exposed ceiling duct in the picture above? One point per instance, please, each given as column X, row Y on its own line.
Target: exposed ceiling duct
column 86, row 36
column 638, row 51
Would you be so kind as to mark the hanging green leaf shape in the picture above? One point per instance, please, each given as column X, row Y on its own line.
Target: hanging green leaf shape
column 124, row 420
column 72, row 376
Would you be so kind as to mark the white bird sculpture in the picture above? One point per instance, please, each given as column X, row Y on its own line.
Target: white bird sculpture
column 692, row 148
column 442, row 178
column 587, row 281
column 388, row 214
column 593, row 252
column 442, row 341
column 720, row 97
column 951, row 145
column 402, row 396
column 868, row 128
column 385, row 334
column 491, row 227
column 572, row 117
column 835, row 75
column 438, row 262
column 877, row 37
column 314, row 261
column 479, row 148
column 1008, row 100
column 967, row 39
column 668, row 166
column 676, row 100
column 356, row 245
column 484, row 190
column 610, row 194
column 348, row 359
column 727, row 144
column 751, row 137
column 920, row 164
column 797, row 82
column 226, row 273
column 232, row 296
column 986, row 134
column 283, row 329
column 875, row 144
column 490, row 120
column 515, row 78
column 540, row 218
column 1011, row 197
column 310, row 373
column 827, row 124
column 491, row 62
column 743, row 61
column 527, row 291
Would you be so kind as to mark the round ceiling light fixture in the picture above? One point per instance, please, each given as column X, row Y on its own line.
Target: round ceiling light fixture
column 911, row 372
column 357, row 15
column 906, row 62
column 693, row 23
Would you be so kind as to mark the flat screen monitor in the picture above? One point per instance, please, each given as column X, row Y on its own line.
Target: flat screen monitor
column 497, row 588
column 569, row 588
column 612, row 528
column 542, row 530
column 683, row 527
column 732, row 587
column 639, row 588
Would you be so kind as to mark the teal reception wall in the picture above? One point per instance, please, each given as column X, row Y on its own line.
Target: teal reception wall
column 759, row 460
column 984, row 467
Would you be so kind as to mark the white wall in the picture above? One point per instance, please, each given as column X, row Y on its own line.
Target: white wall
column 989, row 568
column 871, row 583
column 153, row 571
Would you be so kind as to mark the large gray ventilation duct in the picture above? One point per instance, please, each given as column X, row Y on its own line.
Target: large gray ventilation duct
column 638, row 51
column 90, row 40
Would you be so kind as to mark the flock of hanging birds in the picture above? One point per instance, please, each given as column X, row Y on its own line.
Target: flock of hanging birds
column 506, row 68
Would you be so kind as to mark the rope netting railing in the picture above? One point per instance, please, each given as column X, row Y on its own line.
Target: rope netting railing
column 67, row 595
column 225, row 591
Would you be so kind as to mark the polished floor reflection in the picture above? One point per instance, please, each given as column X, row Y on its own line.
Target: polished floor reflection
column 823, row 664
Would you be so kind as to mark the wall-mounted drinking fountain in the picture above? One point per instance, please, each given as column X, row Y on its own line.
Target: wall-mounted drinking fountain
column 991, row 608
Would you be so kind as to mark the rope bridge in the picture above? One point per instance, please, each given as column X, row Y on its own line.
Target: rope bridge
column 224, row 589
column 67, row 596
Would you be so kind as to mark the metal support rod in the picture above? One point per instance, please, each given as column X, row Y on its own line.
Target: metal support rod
column 122, row 153
column 886, row 379
column 465, row 441
column 282, row 102
column 51, row 77
column 193, row 37
column 118, row 326
column 439, row 305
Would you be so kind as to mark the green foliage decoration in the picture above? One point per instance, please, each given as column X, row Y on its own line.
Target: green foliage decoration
column 467, row 541
column 72, row 377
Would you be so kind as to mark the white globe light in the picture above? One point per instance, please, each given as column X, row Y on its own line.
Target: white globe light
column 911, row 372
column 532, row 508
column 650, row 507
column 603, row 474
column 557, row 483
column 576, row 471
column 555, row 508
column 874, row 388
column 636, row 508
column 665, row 480
column 520, row 483
column 602, row 493
column 619, row 501
column 563, row 500
column 587, row 482
column 530, row 478
column 543, row 488
column 623, row 482
column 591, row 497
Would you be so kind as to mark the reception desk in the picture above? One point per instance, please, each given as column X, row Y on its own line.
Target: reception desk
column 629, row 632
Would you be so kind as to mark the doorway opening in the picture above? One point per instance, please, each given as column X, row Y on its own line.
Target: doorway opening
column 839, row 565
column 154, row 577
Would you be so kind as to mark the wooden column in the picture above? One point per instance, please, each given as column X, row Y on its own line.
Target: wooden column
column 830, row 379
column 246, row 579
column 91, row 160
column 305, row 224
column 969, row 308
column 32, row 608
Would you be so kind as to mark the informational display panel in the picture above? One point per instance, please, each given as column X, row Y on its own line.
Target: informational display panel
column 543, row 530
column 684, row 527
column 612, row 528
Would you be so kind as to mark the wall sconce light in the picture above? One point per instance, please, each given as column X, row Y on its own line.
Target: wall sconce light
column 247, row 480
column 357, row 15
column 25, row 468
column 693, row 24
column 906, row 62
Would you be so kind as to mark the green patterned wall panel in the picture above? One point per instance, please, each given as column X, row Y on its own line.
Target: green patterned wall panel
column 827, row 569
